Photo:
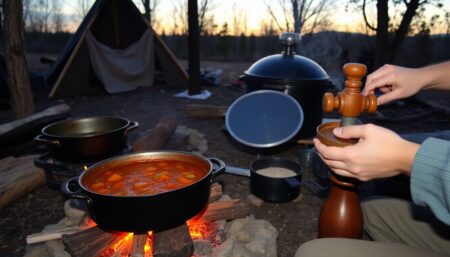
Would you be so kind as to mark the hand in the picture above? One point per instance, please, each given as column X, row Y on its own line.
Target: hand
column 379, row 153
column 395, row 82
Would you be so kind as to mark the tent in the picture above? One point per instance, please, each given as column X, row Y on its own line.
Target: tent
column 115, row 50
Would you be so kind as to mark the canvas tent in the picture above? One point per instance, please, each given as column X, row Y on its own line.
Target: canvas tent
column 114, row 49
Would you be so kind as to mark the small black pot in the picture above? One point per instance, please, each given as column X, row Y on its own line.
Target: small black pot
column 272, row 189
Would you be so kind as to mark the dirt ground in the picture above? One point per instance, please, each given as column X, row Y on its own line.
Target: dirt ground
column 296, row 221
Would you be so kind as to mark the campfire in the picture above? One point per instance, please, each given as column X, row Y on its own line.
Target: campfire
column 206, row 228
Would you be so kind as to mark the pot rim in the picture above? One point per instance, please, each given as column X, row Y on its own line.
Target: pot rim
column 276, row 162
column 288, row 82
column 139, row 156
column 45, row 132
column 239, row 138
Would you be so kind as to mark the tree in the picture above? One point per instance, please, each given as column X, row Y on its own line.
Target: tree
column 205, row 17
column 301, row 16
column 19, row 86
column 390, row 32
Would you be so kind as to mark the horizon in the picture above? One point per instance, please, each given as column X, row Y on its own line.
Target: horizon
column 253, row 16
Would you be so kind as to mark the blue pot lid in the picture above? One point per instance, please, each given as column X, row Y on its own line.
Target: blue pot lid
column 264, row 118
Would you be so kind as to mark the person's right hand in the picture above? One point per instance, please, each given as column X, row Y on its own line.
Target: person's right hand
column 394, row 81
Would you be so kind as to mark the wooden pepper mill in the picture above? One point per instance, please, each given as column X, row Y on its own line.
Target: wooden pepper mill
column 341, row 214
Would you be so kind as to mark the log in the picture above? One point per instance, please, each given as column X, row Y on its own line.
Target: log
column 137, row 248
column 28, row 127
column 18, row 176
column 175, row 242
column 204, row 111
column 226, row 210
column 51, row 235
column 215, row 192
column 157, row 137
column 90, row 242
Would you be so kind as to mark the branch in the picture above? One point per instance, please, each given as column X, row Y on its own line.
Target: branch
column 365, row 17
column 269, row 9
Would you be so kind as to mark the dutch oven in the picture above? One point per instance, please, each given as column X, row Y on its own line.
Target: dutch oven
column 87, row 138
column 295, row 75
column 140, row 214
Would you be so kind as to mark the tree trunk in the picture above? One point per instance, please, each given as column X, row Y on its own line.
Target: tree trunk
column 382, row 38
column 403, row 29
column 386, row 49
column 194, row 52
column 20, row 91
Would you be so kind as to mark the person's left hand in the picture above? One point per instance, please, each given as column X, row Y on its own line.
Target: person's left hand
column 379, row 153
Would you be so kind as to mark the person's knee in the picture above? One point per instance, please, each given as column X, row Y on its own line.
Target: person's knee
column 316, row 248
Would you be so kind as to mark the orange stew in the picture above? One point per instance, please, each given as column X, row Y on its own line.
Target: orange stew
column 144, row 178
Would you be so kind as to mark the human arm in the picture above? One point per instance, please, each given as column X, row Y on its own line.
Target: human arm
column 398, row 82
column 379, row 153
column 430, row 177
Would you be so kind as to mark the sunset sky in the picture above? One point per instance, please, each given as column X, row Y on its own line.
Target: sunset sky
column 344, row 16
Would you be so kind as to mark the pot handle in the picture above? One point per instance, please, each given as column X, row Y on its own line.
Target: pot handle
column 218, row 166
column 132, row 125
column 39, row 138
column 293, row 182
column 65, row 190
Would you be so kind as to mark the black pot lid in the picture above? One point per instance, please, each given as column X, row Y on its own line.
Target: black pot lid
column 264, row 118
column 286, row 67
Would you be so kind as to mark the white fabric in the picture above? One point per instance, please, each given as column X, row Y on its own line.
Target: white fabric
column 122, row 70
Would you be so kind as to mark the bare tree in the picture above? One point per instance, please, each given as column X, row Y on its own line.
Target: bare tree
column 19, row 85
column 391, row 31
column 301, row 16
column 239, row 21
column 206, row 19
column 57, row 16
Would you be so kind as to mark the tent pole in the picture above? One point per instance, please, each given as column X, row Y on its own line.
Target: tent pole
column 115, row 24
column 193, row 46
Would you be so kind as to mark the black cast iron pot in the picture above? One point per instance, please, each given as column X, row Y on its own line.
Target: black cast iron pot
column 140, row 214
column 273, row 189
column 295, row 75
column 88, row 138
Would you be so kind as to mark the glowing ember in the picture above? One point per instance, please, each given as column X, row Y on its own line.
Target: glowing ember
column 197, row 229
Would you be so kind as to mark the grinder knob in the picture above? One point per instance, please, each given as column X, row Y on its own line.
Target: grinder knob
column 350, row 102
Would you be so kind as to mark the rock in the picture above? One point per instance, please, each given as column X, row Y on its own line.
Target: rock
column 202, row 247
column 74, row 215
column 258, row 238
column 55, row 248
column 224, row 250
column 254, row 200
column 36, row 251
column 298, row 198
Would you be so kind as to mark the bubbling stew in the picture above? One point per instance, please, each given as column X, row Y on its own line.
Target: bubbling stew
column 144, row 177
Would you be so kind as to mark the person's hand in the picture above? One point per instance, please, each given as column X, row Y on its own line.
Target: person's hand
column 395, row 82
column 379, row 153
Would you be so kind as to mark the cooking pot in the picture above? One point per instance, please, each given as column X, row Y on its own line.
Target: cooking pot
column 86, row 138
column 275, row 189
column 294, row 75
column 142, row 213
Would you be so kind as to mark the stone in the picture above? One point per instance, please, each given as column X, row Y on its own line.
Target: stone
column 224, row 250
column 36, row 251
column 254, row 200
column 298, row 198
column 74, row 215
column 55, row 248
column 257, row 238
column 202, row 247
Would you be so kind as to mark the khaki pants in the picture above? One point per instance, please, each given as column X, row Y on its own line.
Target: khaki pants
column 399, row 229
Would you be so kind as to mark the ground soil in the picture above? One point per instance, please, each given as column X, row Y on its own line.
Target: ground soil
column 296, row 221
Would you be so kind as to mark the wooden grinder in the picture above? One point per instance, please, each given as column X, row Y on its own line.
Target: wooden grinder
column 341, row 214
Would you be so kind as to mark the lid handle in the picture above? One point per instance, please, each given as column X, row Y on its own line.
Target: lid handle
column 289, row 41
